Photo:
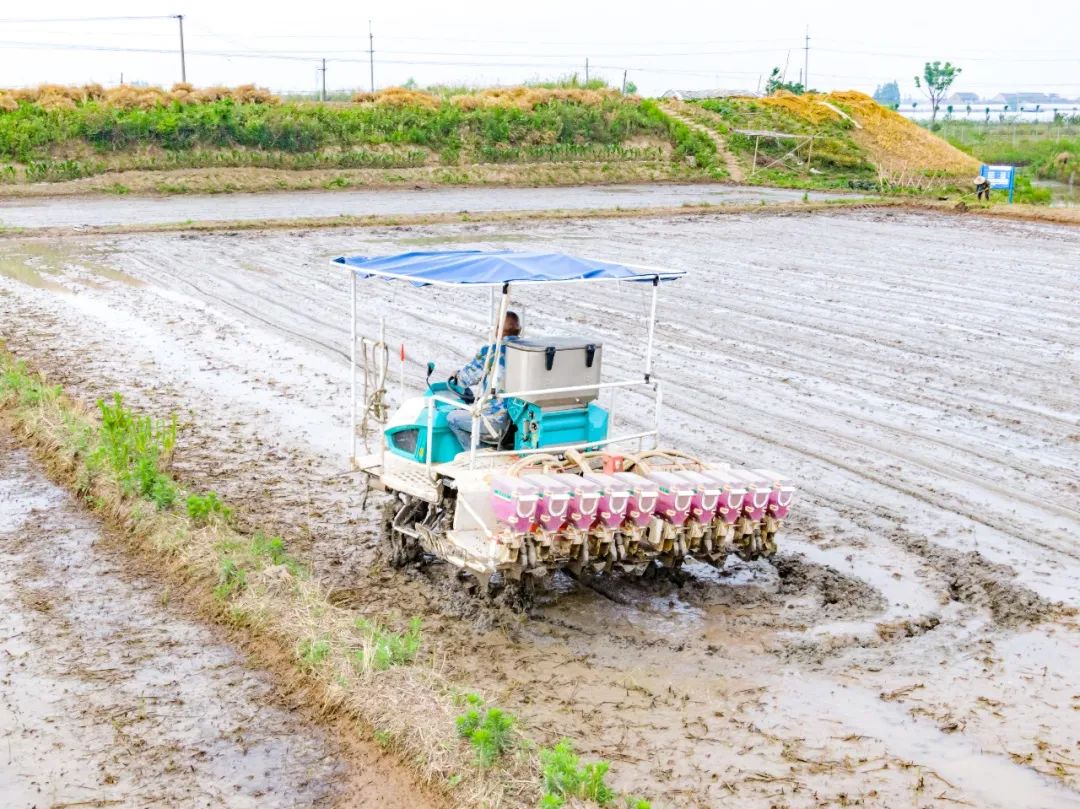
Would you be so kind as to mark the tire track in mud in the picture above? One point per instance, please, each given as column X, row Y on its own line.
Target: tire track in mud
column 862, row 472
column 803, row 357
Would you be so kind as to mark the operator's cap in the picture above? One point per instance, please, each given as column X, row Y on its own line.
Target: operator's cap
column 980, row 180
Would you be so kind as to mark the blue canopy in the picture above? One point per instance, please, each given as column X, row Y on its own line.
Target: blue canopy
column 496, row 267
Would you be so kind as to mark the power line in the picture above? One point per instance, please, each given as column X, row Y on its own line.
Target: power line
column 15, row 21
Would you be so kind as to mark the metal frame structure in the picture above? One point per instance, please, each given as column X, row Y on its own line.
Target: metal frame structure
column 651, row 275
column 800, row 141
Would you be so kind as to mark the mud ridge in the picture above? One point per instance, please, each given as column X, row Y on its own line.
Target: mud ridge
column 974, row 580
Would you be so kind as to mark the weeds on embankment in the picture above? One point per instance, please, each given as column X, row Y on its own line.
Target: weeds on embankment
column 87, row 135
column 354, row 665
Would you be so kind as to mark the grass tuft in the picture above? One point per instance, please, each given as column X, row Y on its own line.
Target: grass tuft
column 383, row 648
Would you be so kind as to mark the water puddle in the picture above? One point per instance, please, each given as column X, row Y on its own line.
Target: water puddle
column 991, row 779
column 41, row 265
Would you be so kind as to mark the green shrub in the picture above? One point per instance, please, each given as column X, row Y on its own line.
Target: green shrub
column 688, row 142
column 258, row 134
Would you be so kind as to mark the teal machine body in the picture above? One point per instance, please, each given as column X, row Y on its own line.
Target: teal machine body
column 556, row 405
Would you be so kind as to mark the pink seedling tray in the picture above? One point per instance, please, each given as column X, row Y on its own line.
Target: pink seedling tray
column 706, row 495
column 644, row 495
column 782, row 492
column 614, row 499
column 553, row 507
column 514, row 502
column 732, row 494
column 675, row 499
column 584, row 499
column 758, row 494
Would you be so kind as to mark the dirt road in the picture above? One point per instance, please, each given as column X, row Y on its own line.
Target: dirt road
column 912, row 647
column 112, row 210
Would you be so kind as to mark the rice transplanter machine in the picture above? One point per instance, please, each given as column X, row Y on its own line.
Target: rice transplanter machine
column 558, row 489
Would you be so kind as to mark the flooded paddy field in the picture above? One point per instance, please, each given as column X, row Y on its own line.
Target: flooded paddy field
column 914, row 644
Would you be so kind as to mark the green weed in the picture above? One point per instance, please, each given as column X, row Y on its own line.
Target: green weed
column 163, row 492
column 489, row 731
column 137, row 449
column 203, row 508
column 312, row 652
column 384, row 648
column 28, row 389
column 566, row 777
column 272, row 549
column 231, row 580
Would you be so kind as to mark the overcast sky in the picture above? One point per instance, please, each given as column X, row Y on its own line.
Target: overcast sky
column 671, row 44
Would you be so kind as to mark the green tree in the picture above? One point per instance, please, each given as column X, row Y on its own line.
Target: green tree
column 888, row 94
column 631, row 88
column 935, row 81
column 776, row 83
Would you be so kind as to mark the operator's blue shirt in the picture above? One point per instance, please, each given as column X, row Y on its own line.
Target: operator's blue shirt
column 473, row 373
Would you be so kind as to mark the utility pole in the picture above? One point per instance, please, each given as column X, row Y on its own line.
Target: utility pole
column 323, row 70
column 806, row 61
column 183, row 59
column 586, row 70
column 624, row 82
column 371, row 54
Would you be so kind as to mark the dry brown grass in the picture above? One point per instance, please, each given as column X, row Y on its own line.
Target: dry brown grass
column 126, row 96
column 520, row 97
column 397, row 97
column 899, row 146
column 528, row 98
column 806, row 107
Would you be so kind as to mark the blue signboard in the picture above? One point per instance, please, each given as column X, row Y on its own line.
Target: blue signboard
column 1001, row 177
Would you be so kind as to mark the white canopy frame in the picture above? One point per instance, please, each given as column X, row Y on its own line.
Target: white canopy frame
column 651, row 275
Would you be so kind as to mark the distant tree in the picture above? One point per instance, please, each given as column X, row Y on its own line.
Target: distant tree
column 776, row 83
column 888, row 94
column 631, row 88
column 935, row 81
column 410, row 83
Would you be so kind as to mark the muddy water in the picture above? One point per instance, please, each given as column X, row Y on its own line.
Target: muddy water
column 906, row 650
column 58, row 212
column 110, row 699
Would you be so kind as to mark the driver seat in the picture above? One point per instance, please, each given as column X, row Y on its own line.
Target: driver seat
column 505, row 441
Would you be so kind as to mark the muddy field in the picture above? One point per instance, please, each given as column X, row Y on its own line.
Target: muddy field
column 915, row 644
column 112, row 210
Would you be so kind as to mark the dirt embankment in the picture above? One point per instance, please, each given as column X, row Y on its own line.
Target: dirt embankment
column 907, row 648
